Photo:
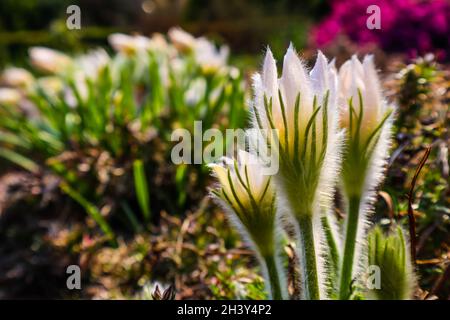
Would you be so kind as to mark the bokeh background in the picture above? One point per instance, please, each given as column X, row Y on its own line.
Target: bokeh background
column 408, row 26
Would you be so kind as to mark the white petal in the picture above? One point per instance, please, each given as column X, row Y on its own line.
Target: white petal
column 294, row 81
column 372, row 96
column 270, row 84
column 319, row 76
column 371, row 79
column 270, row 75
column 357, row 77
column 332, row 84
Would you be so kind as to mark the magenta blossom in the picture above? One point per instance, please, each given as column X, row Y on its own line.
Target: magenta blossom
column 411, row 26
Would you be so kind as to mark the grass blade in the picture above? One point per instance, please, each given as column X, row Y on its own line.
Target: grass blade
column 141, row 187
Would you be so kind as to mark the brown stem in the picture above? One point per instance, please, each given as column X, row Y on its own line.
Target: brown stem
column 411, row 218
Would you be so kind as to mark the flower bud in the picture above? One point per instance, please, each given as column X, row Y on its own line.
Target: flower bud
column 390, row 253
column 49, row 60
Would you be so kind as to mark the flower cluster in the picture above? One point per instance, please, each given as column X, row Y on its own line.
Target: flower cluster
column 410, row 26
column 325, row 125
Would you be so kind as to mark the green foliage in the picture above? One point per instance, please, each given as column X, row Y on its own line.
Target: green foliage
column 90, row 209
column 141, row 188
column 104, row 121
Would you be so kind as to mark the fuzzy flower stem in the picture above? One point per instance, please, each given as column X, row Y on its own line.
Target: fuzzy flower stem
column 273, row 275
column 333, row 246
column 349, row 247
column 310, row 275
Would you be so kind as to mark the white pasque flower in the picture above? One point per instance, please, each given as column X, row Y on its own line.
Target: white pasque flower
column 209, row 57
column 367, row 119
column 242, row 185
column 248, row 197
column 9, row 96
column 301, row 106
column 92, row 62
column 49, row 60
column 17, row 77
column 359, row 84
column 129, row 45
column 51, row 85
column 181, row 39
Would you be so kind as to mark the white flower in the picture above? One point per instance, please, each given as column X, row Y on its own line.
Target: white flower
column 158, row 43
column 181, row 39
column 298, row 105
column 49, row 60
column 241, row 182
column 209, row 57
column 91, row 63
column 195, row 92
column 249, row 199
column 9, row 96
column 51, row 85
column 368, row 120
column 302, row 107
column 311, row 90
column 357, row 78
column 129, row 45
column 17, row 77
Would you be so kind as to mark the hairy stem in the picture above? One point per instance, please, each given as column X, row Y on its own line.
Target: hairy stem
column 308, row 257
column 273, row 275
column 331, row 241
column 333, row 256
column 349, row 247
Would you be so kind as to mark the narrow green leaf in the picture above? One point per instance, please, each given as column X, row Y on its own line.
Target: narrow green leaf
column 91, row 209
column 141, row 188
column 18, row 159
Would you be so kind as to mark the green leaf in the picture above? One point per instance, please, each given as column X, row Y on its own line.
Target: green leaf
column 18, row 159
column 180, row 181
column 141, row 187
column 91, row 209
column 130, row 216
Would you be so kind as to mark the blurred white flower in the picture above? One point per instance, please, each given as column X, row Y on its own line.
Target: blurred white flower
column 91, row 63
column 129, row 45
column 195, row 92
column 182, row 40
column 86, row 67
column 209, row 57
column 51, row 85
column 17, row 77
column 9, row 96
column 158, row 43
column 49, row 60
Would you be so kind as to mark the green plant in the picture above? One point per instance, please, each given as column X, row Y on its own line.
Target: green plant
column 103, row 123
column 250, row 200
column 390, row 253
column 303, row 119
